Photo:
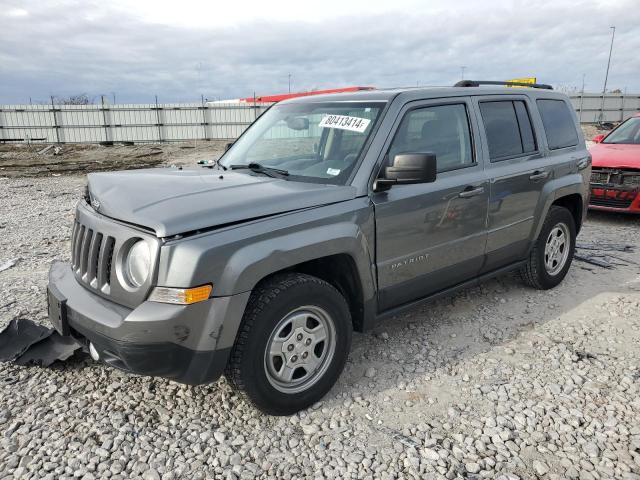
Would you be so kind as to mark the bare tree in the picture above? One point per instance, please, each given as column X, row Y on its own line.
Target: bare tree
column 80, row 99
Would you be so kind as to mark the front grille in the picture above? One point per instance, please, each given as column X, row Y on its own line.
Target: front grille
column 614, row 176
column 96, row 244
column 631, row 180
column 599, row 177
column 610, row 202
column 91, row 256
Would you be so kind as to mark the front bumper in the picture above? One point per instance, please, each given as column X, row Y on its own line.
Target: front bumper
column 185, row 343
column 615, row 199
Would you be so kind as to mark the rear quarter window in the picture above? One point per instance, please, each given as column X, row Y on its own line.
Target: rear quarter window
column 559, row 126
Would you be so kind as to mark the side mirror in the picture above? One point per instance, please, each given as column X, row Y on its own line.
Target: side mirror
column 598, row 138
column 408, row 168
column 298, row 123
column 228, row 146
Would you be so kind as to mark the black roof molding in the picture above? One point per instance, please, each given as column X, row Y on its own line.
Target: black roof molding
column 477, row 83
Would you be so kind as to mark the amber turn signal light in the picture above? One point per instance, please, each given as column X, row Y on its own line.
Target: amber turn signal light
column 181, row 296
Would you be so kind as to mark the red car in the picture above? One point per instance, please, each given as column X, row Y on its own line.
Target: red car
column 615, row 175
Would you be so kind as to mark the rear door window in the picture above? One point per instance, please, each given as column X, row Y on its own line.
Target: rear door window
column 508, row 129
column 559, row 126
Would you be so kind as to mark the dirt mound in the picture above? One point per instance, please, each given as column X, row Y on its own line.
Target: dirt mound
column 35, row 160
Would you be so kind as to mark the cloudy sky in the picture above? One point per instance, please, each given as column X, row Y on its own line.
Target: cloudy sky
column 227, row 49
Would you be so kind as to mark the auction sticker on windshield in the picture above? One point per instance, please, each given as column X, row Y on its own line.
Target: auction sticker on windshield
column 345, row 122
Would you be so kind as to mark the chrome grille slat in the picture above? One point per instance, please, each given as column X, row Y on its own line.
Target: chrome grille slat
column 74, row 241
column 104, row 262
column 74, row 232
column 76, row 247
column 92, row 260
column 84, row 251
column 109, row 256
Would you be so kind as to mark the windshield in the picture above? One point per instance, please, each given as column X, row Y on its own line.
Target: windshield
column 318, row 142
column 627, row 132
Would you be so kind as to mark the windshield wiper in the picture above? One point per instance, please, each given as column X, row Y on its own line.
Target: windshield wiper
column 259, row 168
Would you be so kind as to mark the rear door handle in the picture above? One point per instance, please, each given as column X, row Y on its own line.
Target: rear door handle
column 471, row 192
column 539, row 175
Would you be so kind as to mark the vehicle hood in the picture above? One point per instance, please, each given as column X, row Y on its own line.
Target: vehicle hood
column 172, row 201
column 615, row 155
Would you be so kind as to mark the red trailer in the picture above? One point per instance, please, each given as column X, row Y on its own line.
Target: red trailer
column 285, row 96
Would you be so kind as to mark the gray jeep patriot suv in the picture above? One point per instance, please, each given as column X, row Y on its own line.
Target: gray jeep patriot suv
column 328, row 214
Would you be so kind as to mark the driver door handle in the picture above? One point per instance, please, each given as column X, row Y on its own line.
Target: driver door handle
column 539, row 175
column 471, row 191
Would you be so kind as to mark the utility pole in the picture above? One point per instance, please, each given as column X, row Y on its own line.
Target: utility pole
column 462, row 69
column 104, row 120
column 606, row 76
column 289, row 83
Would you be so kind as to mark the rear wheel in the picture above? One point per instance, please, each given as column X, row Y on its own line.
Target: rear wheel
column 292, row 345
column 551, row 256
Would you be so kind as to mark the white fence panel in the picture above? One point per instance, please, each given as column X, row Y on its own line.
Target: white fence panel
column 125, row 122
column 617, row 107
column 195, row 121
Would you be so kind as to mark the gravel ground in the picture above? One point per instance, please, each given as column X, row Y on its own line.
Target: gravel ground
column 499, row 381
column 39, row 159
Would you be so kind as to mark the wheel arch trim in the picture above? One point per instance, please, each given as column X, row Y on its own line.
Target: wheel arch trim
column 553, row 191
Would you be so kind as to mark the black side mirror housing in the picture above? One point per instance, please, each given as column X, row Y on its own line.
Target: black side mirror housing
column 408, row 168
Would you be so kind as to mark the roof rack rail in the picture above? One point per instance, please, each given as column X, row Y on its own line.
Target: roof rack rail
column 477, row 83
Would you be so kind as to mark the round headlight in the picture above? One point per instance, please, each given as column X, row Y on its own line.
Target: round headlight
column 137, row 264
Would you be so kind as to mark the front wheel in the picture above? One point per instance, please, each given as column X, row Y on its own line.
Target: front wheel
column 292, row 345
column 552, row 253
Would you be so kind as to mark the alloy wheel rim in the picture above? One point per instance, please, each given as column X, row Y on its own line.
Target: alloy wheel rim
column 300, row 349
column 556, row 249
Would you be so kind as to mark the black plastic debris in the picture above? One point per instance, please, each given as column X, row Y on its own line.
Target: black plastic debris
column 593, row 260
column 49, row 350
column 27, row 343
column 614, row 247
column 600, row 254
column 18, row 336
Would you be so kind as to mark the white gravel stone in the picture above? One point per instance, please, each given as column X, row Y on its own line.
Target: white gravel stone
column 370, row 372
column 591, row 449
column 540, row 468
column 430, row 454
column 521, row 391
column 151, row 474
column 472, row 467
column 310, row 429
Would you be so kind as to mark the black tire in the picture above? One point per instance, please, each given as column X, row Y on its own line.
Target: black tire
column 270, row 303
column 534, row 272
